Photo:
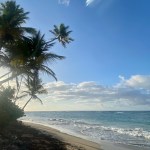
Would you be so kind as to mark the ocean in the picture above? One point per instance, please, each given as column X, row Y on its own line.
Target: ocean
column 127, row 127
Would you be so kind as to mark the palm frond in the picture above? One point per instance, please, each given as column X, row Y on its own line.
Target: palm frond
column 29, row 30
column 48, row 58
column 5, row 74
column 38, row 99
column 43, row 91
column 28, row 93
column 22, row 96
column 48, row 71
column 17, row 83
column 61, row 33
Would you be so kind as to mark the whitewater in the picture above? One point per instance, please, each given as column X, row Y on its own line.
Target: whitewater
column 127, row 127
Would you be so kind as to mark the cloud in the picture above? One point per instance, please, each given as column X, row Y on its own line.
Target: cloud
column 64, row 2
column 136, row 81
column 128, row 94
column 95, row 2
column 89, row 2
column 131, row 92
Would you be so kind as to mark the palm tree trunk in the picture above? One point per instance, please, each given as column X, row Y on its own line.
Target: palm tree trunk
column 5, row 74
column 1, row 47
column 18, row 89
column 8, row 81
column 9, row 78
column 26, row 103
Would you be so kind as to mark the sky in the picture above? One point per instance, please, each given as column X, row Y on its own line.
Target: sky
column 107, row 67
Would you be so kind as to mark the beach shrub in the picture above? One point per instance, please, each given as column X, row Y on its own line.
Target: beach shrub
column 9, row 111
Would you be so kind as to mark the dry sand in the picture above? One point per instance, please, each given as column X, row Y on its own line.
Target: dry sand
column 75, row 143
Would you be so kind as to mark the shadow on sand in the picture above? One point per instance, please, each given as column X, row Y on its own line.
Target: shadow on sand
column 16, row 136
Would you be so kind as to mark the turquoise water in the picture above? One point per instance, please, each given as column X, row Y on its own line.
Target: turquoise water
column 120, row 127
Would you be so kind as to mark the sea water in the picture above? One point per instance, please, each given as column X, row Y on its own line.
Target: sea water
column 128, row 127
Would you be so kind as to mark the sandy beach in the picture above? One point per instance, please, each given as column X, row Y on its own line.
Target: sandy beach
column 97, row 98
column 71, row 141
column 76, row 143
column 32, row 136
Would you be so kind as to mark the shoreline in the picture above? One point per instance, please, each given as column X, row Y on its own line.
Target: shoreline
column 80, row 142
column 64, row 137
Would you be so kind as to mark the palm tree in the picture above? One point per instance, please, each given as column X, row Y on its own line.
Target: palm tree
column 34, row 86
column 12, row 16
column 14, row 69
column 24, row 54
column 61, row 33
column 27, row 55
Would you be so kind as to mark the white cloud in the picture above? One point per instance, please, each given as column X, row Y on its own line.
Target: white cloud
column 64, row 2
column 92, row 93
column 127, row 94
column 136, row 81
column 121, row 77
column 89, row 2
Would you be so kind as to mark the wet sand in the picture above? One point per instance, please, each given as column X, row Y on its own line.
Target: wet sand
column 76, row 143
column 72, row 141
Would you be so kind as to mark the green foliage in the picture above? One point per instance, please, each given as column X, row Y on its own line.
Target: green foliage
column 9, row 111
column 24, row 52
column 28, row 54
column 62, row 34
column 12, row 16
column 34, row 86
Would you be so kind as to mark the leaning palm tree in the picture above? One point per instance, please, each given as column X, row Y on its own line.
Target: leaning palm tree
column 20, row 54
column 24, row 52
column 34, row 86
column 61, row 34
column 12, row 16
column 27, row 55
